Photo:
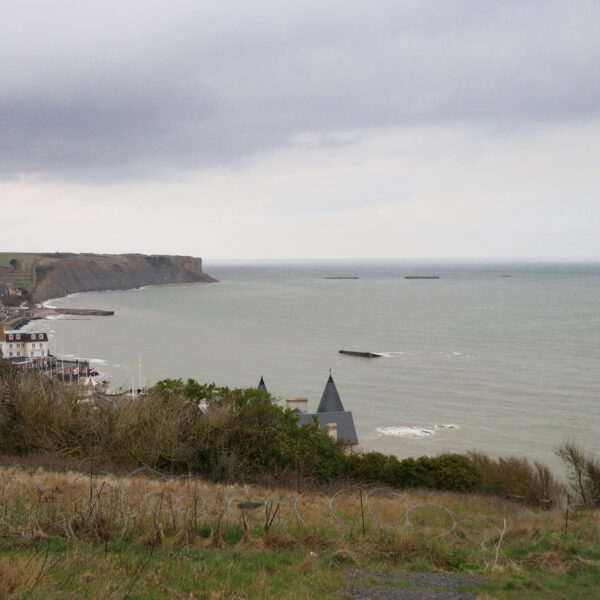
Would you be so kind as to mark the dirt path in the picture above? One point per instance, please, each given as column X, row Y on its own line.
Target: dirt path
column 368, row 584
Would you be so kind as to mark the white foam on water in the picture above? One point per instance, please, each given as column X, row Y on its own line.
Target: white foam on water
column 415, row 432
column 50, row 302
column 407, row 432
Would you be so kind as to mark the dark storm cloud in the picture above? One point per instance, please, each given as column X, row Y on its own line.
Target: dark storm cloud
column 89, row 91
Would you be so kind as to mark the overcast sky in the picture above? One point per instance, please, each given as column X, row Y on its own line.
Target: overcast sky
column 301, row 129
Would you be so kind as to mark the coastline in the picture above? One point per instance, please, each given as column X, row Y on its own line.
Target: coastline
column 288, row 325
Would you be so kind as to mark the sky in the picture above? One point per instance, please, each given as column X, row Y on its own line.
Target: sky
column 325, row 129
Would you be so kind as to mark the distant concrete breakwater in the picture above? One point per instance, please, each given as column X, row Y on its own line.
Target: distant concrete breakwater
column 35, row 314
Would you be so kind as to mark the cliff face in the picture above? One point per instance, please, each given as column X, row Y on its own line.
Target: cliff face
column 57, row 275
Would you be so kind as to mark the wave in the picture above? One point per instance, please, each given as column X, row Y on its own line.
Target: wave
column 420, row 354
column 415, row 432
column 50, row 302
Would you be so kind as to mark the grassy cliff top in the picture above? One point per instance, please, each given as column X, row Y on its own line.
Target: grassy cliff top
column 39, row 276
column 146, row 535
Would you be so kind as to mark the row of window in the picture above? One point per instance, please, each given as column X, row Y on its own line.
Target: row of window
column 40, row 345
column 17, row 336
column 31, row 354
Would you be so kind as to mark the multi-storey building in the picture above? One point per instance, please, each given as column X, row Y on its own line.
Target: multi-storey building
column 23, row 344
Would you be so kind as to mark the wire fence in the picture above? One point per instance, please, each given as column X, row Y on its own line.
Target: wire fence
column 100, row 508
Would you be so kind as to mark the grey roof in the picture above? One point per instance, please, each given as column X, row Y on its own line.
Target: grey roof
column 261, row 385
column 343, row 419
column 330, row 400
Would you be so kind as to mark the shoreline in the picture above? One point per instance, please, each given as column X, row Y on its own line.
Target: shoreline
column 46, row 303
column 37, row 314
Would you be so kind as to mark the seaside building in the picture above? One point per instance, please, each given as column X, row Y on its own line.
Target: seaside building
column 20, row 344
column 330, row 414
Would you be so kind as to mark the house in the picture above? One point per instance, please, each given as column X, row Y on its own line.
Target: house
column 330, row 414
column 21, row 344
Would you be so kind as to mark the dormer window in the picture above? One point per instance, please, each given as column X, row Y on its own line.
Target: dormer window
column 18, row 336
column 33, row 336
column 10, row 337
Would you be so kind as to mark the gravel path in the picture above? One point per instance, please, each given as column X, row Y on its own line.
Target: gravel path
column 368, row 592
column 423, row 586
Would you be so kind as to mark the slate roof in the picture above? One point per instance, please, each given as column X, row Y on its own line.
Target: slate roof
column 261, row 386
column 330, row 400
column 331, row 410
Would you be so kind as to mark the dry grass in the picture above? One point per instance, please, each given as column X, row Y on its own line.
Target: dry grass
column 98, row 534
column 151, row 508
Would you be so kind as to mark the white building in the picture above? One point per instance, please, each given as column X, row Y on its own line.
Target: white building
column 23, row 344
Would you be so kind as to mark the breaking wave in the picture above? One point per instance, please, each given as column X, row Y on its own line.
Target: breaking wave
column 415, row 432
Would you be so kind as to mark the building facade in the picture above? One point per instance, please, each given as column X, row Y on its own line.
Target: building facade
column 21, row 344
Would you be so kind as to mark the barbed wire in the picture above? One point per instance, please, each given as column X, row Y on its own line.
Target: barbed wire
column 91, row 504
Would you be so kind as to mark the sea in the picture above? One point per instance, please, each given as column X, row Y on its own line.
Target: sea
column 495, row 356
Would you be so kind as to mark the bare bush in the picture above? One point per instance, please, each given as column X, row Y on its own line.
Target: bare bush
column 583, row 473
column 516, row 478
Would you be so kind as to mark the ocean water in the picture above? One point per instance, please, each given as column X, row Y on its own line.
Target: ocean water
column 500, row 357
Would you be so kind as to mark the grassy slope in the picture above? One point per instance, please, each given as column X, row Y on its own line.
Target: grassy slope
column 6, row 257
column 22, row 277
column 153, row 543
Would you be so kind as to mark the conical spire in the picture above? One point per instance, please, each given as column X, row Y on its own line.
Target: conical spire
column 330, row 400
column 261, row 386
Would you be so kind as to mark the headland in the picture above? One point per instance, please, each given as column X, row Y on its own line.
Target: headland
column 35, row 277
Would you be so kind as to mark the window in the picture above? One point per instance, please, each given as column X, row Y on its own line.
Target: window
column 33, row 336
column 10, row 345
column 10, row 337
column 11, row 353
column 18, row 336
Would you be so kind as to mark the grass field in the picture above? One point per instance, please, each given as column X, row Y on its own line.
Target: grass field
column 6, row 257
column 71, row 535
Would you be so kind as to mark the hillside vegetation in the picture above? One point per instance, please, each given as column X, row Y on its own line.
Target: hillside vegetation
column 196, row 491
column 145, row 535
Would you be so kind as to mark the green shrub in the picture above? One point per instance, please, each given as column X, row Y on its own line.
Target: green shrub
column 216, row 431
column 444, row 472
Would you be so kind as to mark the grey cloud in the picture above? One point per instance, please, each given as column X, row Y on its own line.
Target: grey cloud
column 182, row 85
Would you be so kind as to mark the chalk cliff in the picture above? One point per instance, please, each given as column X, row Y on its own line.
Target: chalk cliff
column 61, row 274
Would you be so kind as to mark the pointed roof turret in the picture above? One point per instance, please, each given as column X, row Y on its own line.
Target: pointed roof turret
column 330, row 400
column 261, row 386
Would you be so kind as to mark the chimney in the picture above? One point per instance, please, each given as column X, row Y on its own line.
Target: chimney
column 301, row 403
column 332, row 430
